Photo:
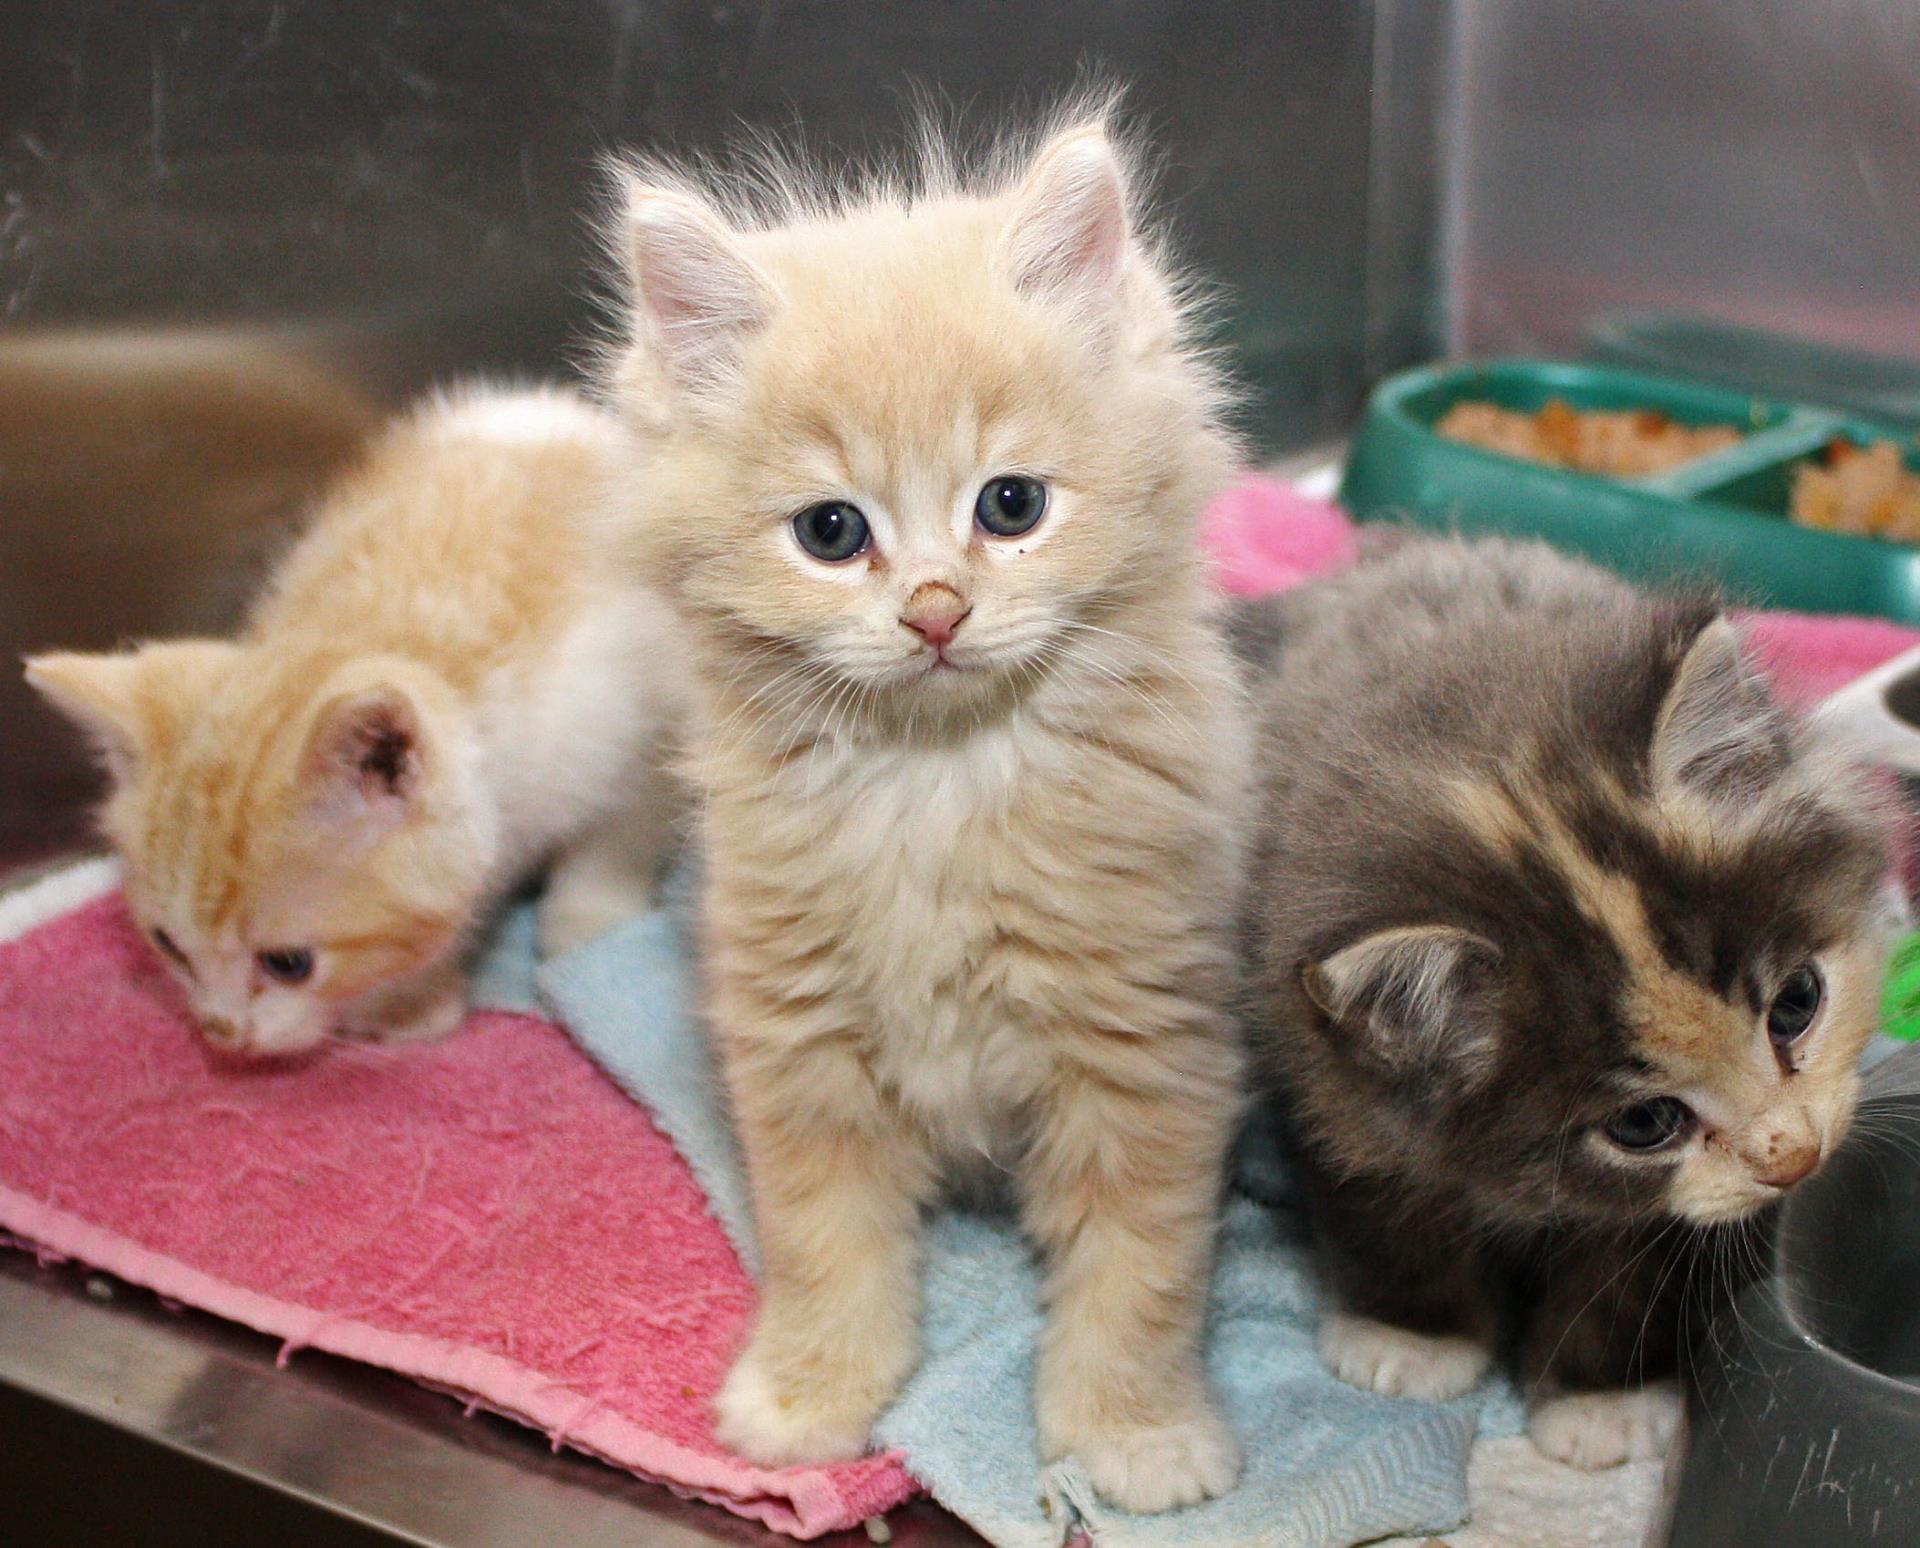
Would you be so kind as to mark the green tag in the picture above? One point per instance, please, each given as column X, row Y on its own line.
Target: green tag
column 1900, row 1000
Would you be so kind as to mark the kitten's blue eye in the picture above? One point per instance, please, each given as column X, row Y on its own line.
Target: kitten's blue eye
column 1010, row 505
column 291, row 965
column 1650, row 1125
column 832, row 531
column 1795, row 1006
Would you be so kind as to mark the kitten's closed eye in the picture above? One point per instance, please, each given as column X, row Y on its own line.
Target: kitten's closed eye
column 169, row 950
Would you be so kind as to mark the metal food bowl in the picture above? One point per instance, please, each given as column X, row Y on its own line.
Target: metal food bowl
column 1804, row 1405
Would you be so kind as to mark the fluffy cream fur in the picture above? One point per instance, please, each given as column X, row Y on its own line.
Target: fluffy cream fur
column 437, row 692
column 965, row 897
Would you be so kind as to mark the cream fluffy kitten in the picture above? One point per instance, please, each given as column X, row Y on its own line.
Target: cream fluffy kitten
column 444, row 684
column 923, row 467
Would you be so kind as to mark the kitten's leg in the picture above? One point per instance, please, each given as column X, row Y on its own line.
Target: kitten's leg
column 1600, row 1347
column 609, row 873
column 1121, row 1186
column 838, row 1181
column 421, row 1009
column 1408, row 1316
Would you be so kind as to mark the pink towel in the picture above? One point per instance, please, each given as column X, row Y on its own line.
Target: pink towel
column 489, row 1215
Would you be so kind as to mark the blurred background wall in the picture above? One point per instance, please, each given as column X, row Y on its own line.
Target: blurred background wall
column 234, row 232
column 1751, row 161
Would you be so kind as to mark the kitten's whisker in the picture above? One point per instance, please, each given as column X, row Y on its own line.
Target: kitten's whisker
column 797, row 672
column 1155, row 654
column 1155, row 702
column 1611, row 1280
column 1678, row 1254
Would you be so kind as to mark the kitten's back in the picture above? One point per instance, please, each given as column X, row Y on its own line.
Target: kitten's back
column 1439, row 654
column 462, row 538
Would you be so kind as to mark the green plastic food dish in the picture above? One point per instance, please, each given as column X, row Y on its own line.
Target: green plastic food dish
column 1721, row 519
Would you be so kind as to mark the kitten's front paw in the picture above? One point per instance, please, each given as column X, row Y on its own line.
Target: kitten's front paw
column 428, row 1023
column 1150, row 1468
column 1592, row 1430
column 1397, row 1362
column 782, row 1424
column 411, row 1015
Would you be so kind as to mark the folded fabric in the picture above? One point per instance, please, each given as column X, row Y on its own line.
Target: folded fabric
column 1328, row 1465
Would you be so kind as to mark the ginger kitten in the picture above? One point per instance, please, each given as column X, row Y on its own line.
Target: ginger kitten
column 924, row 462
column 1566, row 944
column 444, row 685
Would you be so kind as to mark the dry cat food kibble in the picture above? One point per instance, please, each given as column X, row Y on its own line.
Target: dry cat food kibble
column 1630, row 443
column 1867, row 490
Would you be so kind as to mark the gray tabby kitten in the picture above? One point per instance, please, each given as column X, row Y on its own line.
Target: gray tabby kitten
column 1566, row 942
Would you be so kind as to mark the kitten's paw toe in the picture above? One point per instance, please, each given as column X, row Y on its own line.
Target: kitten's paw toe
column 432, row 1023
column 781, row 1425
column 1160, row 1467
column 575, row 910
column 1397, row 1362
column 408, row 1019
column 1592, row 1430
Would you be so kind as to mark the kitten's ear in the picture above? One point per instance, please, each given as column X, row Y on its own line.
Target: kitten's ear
column 130, row 703
column 696, row 294
column 1719, row 731
column 1404, row 996
column 1069, row 234
column 367, row 754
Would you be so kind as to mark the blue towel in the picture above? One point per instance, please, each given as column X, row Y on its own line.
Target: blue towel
column 1327, row 1465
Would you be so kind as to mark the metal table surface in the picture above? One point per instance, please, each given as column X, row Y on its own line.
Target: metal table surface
column 175, row 1427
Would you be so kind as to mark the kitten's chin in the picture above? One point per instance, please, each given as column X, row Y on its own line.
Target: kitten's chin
column 1730, row 1210
column 254, row 1045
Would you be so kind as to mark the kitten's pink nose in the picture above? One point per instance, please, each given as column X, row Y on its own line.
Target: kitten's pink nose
column 1787, row 1167
column 934, row 612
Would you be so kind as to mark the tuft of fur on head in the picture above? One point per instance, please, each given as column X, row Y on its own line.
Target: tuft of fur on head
column 895, row 337
column 1537, row 850
column 768, row 183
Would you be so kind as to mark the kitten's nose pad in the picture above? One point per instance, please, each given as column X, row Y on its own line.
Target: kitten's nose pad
column 934, row 612
column 1790, row 1166
column 219, row 1030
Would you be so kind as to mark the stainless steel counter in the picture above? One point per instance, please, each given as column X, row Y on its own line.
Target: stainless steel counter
column 154, row 1401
